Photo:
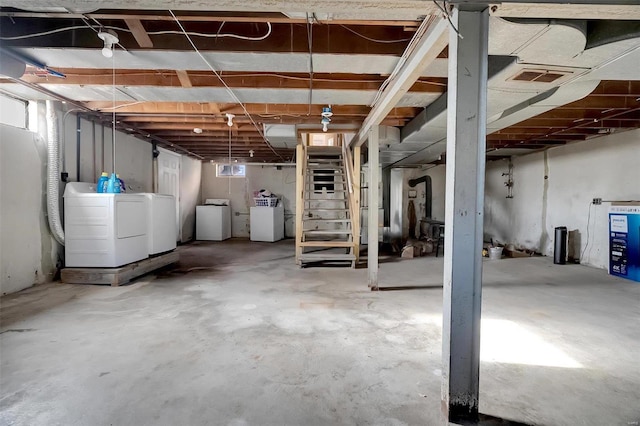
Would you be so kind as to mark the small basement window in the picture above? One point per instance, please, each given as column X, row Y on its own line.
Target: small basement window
column 231, row 170
column 13, row 112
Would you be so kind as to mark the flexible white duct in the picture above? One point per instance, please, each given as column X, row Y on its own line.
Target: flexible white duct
column 53, row 171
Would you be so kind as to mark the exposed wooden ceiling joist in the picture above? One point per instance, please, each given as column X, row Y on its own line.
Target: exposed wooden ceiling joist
column 274, row 18
column 183, row 76
column 188, row 79
column 252, row 108
column 369, row 9
column 207, row 36
column 138, row 31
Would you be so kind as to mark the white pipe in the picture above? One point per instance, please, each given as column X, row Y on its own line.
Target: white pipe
column 53, row 172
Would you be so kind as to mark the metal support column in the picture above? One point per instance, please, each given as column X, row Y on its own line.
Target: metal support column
column 372, row 211
column 466, row 142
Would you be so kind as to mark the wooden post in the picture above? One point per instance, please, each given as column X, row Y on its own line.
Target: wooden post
column 355, row 220
column 373, row 194
column 300, row 174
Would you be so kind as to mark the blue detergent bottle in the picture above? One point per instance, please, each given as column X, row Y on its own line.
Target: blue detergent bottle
column 101, row 186
column 123, row 187
column 113, row 185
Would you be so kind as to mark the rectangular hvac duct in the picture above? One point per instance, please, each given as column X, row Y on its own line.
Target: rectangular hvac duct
column 281, row 135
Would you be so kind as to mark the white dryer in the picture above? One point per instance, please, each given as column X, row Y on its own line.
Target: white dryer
column 103, row 230
column 213, row 220
column 161, row 223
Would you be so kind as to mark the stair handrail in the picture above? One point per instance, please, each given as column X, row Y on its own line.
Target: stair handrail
column 346, row 154
column 348, row 160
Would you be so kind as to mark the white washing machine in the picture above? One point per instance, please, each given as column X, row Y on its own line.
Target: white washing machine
column 213, row 220
column 103, row 230
column 161, row 223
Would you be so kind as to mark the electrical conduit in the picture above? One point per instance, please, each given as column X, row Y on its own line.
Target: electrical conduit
column 53, row 171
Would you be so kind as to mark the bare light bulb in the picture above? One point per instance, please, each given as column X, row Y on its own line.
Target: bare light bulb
column 230, row 119
column 325, row 123
column 251, row 153
column 109, row 38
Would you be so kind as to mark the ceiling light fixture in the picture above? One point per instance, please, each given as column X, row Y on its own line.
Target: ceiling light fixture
column 230, row 118
column 251, row 153
column 326, row 115
column 197, row 130
column 109, row 38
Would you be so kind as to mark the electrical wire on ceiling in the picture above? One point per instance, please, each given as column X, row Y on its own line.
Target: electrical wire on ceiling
column 422, row 29
column 194, row 34
column 403, row 40
column 310, row 43
column 283, row 76
column 89, row 25
column 448, row 16
column 231, row 93
column 219, row 30
column 45, row 33
column 217, row 35
column 280, row 115
column 123, row 105
column 102, row 29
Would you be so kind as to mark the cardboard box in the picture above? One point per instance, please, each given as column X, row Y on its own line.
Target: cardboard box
column 624, row 240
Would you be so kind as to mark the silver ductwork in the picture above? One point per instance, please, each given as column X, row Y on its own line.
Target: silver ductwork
column 517, row 48
column 53, row 171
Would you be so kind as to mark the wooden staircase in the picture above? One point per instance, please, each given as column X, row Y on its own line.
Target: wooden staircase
column 327, row 208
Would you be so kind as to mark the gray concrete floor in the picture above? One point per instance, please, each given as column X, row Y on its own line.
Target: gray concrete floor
column 237, row 334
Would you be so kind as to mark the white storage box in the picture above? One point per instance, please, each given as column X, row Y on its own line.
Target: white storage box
column 213, row 220
column 267, row 223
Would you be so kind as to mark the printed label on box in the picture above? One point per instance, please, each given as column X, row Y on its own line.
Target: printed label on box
column 624, row 241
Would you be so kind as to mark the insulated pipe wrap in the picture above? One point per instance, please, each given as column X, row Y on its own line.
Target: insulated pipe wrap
column 53, row 171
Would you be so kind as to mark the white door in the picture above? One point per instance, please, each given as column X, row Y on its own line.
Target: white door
column 169, row 179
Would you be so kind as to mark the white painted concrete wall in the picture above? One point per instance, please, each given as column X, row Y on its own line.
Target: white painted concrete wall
column 240, row 192
column 190, row 176
column 133, row 156
column 555, row 188
column 28, row 254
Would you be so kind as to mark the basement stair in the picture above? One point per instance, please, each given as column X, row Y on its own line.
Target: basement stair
column 327, row 206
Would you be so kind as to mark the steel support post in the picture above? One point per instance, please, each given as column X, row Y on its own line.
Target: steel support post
column 466, row 141
column 372, row 211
